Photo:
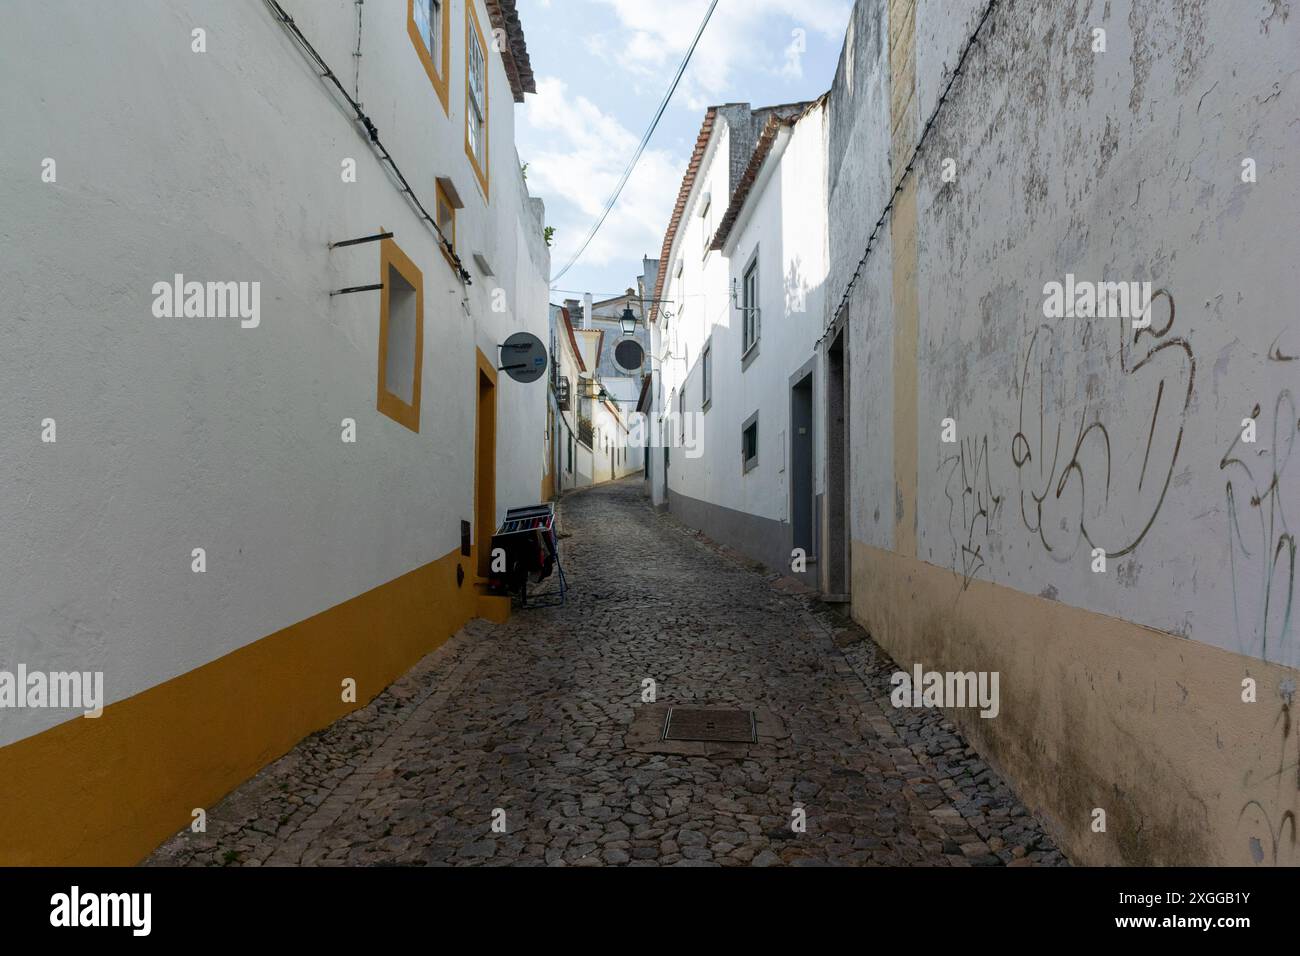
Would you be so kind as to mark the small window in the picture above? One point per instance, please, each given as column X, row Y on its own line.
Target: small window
column 706, row 374
column 681, row 414
column 401, row 336
column 446, row 216
column 706, row 227
column 749, row 444
column 428, row 22
column 476, row 92
column 749, row 307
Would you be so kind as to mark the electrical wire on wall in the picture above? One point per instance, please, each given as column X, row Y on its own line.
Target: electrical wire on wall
column 372, row 131
column 907, row 171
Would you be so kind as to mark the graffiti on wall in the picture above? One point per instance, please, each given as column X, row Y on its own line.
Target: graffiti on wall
column 1086, row 473
column 1091, row 453
column 1265, row 820
column 1100, row 481
column 972, row 504
column 1261, row 547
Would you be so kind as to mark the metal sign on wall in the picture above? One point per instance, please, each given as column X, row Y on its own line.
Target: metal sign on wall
column 523, row 357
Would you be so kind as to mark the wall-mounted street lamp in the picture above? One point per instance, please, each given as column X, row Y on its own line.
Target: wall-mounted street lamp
column 628, row 319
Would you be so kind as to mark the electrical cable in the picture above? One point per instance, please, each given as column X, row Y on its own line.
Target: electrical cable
column 907, row 170
column 371, row 130
column 627, row 173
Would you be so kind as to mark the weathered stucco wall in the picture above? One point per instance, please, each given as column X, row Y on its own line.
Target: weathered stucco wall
column 1122, row 689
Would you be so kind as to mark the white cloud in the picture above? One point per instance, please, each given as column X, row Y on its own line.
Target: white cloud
column 582, row 154
column 576, row 151
column 743, row 35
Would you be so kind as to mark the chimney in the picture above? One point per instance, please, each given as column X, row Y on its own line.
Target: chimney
column 586, row 310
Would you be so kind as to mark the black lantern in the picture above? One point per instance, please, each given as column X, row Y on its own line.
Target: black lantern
column 628, row 319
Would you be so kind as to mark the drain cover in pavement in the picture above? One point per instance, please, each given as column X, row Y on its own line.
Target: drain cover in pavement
column 709, row 723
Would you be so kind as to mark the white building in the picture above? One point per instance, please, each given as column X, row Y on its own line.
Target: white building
column 570, row 407
column 597, row 382
column 249, row 521
column 737, row 316
column 1096, row 512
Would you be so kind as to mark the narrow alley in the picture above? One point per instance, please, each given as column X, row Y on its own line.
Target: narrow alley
column 542, row 718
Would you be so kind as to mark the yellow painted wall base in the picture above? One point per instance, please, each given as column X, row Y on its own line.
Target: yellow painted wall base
column 1098, row 712
column 107, row 791
column 494, row 608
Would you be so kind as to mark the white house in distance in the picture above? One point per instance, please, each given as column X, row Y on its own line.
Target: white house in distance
column 570, row 423
column 736, row 317
column 599, row 372
column 249, row 514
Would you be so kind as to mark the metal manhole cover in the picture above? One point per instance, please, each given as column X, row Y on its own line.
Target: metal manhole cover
column 710, row 723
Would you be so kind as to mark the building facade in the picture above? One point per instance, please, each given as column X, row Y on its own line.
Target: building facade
column 1072, row 500
column 737, row 316
column 598, row 379
column 1090, row 499
column 571, row 434
column 259, row 465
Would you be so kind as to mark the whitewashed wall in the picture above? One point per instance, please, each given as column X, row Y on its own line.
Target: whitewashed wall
column 183, row 433
column 699, row 299
column 784, row 224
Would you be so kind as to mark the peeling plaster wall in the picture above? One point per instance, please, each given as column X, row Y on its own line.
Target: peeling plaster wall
column 859, row 182
column 1123, row 166
column 1075, row 433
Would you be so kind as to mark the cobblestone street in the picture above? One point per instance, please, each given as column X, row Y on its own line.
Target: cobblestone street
column 533, row 718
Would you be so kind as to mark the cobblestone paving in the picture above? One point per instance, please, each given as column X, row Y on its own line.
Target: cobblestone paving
column 530, row 717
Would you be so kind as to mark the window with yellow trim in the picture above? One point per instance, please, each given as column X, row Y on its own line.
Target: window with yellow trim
column 446, row 217
column 401, row 336
column 476, row 96
column 429, row 24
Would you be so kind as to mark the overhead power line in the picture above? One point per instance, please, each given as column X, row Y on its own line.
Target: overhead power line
column 971, row 41
column 627, row 173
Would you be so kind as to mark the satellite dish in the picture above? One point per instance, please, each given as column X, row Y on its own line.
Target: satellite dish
column 629, row 355
column 523, row 357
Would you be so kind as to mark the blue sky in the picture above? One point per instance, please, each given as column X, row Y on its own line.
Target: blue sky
column 602, row 67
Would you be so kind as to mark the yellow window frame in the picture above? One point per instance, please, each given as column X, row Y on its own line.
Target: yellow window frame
column 393, row 259
column 439, row 73
column 474, row 29
column 440, row 199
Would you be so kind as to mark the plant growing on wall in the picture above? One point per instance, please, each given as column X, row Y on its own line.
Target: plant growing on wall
column 548, row 234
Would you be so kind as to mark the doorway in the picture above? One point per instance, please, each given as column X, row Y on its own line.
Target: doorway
column 802, row 525
column 837, row 471
column 485, row 463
